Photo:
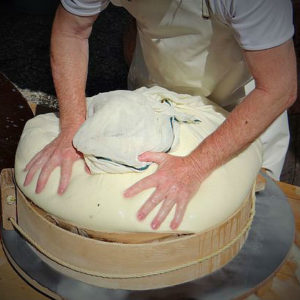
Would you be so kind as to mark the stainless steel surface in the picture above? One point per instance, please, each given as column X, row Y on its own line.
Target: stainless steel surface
column 269, row 240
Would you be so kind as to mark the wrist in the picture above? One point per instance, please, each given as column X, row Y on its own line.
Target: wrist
column 203, row 161
column 68, row 130
column 198, row 169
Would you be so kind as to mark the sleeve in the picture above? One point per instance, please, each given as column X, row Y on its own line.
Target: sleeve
column 258, row 24
column 84, row 7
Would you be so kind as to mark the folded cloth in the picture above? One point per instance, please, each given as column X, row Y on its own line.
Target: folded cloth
column 120, row 125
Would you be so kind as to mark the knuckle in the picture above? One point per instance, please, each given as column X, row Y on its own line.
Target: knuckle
column 161, row 215
column 174, row 189
column 155, row 199
column 43, row 175
column 66, row 153
column 65, row 176
column 168, row 205
column 34, row 168
column 181, row 206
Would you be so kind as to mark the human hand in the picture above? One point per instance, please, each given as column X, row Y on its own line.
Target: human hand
column 60, row 152
column 176, row 180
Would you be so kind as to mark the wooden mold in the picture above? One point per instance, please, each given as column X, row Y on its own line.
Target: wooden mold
column 131, row 263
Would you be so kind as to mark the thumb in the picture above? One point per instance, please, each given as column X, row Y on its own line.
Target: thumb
column 156, row 157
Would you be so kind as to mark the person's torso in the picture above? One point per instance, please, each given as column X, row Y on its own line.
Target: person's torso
column 184, row 47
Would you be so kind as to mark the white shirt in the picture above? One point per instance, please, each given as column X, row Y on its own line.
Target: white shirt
column 258, row 24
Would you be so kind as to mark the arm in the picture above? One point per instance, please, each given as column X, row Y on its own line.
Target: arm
column 274, row 72
column 178, row 178
column 69, row 61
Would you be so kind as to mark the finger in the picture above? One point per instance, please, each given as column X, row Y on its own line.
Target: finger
column 87, row 170
column 156, row 157
column 163, row 212
column 143, row 184
column 44, row 175
column 151, row 203
column 33, row 169
column 179, row 213
column 33, row 161
column 65, row 175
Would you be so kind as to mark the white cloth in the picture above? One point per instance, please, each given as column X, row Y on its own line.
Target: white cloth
column 121, row 125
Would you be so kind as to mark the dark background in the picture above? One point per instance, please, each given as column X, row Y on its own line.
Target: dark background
column 25, row 42
column 25, row 28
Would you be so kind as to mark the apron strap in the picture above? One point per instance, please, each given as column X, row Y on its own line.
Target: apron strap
column 206, row 9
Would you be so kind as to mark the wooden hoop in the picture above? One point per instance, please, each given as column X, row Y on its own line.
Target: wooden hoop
column 153, row 264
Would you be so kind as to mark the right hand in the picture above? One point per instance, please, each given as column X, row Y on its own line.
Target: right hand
column 59, row 153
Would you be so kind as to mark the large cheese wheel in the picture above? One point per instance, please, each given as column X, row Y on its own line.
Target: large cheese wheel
column 96, row 202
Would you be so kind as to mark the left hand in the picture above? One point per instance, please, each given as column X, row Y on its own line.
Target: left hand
column 176, row 180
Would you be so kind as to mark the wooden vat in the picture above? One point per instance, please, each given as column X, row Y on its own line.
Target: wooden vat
column 127, row 261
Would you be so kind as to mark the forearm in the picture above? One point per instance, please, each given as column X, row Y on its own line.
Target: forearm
column 246, row 123
column 274, row 71
column 69, row 75
column 69, row 62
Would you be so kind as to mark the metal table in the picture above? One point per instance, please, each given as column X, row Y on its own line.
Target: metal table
column 268, row 243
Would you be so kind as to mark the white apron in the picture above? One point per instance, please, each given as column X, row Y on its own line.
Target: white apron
column 183, row 47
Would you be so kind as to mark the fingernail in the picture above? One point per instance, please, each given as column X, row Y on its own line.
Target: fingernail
column 141, row 216
column 60, row 191
column 173, row 226
column 154, row 225
column 141, row 156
